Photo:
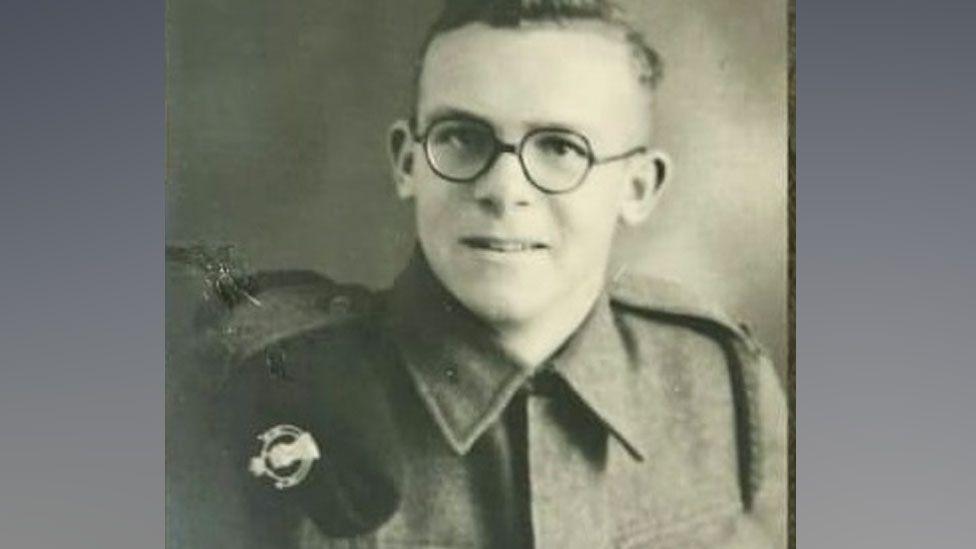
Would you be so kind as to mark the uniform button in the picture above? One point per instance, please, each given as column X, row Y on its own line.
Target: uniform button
column 274, row 360
column 745, row 329
column 340, row 304
column 451, row 373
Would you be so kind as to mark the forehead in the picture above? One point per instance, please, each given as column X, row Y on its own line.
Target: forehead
column 579, row 76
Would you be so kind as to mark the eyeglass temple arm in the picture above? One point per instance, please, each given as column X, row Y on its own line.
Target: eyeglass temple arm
column 636, row 150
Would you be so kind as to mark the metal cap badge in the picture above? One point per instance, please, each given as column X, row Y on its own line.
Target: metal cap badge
column 287, row 453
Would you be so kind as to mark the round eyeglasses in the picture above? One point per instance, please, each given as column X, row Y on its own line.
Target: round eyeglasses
column 554, row 160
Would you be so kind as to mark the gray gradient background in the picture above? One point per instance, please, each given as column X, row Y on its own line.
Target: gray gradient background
column 885, row 297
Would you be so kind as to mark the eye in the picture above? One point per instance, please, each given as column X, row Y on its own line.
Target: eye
column 461, row 137
column 559, row 145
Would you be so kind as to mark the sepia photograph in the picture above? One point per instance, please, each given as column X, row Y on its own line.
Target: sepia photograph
column 478, row 274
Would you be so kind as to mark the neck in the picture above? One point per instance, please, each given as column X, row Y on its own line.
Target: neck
column 534, row 342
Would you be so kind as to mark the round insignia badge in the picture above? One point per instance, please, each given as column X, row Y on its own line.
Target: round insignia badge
column 286, row 455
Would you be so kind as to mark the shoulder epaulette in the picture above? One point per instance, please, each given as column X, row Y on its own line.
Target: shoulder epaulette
column 660, row 296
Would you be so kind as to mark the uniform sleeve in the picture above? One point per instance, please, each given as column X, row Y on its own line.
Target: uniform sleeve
column 769, row 445
column 759, row 399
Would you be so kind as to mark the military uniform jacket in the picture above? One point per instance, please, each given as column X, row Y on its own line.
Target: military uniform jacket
column 358, row 419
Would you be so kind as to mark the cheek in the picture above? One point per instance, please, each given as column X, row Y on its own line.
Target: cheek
column 428, row 204
column 590, row 218
column 435, row 211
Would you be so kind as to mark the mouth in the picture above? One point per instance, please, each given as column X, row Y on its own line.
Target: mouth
column 503, row 245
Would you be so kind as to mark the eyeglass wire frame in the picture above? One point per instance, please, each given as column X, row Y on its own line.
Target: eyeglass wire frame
column 500, row 147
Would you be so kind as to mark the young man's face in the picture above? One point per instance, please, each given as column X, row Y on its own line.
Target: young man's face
column 508, row 251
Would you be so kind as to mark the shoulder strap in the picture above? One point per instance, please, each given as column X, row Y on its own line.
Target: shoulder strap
column 651, row 295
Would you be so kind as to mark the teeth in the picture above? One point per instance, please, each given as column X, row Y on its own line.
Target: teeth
column 508, row 246
column 503, row 245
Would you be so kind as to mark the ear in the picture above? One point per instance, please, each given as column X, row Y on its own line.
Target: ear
column 401, row 155
column 646, row 181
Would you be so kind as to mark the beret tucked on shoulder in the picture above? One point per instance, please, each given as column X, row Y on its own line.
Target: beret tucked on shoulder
column 288, row 303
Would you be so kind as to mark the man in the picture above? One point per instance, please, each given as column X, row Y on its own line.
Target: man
column 511, row 389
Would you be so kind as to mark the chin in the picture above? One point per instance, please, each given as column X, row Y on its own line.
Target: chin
column 501, row 306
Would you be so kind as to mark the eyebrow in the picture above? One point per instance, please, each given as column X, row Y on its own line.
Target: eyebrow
column 442, row 113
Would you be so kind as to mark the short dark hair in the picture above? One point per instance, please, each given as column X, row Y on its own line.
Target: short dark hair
column 514, row 13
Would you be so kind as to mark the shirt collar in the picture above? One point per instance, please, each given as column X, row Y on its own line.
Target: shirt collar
column 466, row 380
column 597, row 365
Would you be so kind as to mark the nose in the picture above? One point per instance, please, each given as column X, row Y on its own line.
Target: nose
column 504, row 187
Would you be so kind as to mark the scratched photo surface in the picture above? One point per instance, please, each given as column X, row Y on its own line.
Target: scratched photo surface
column 277, row 120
